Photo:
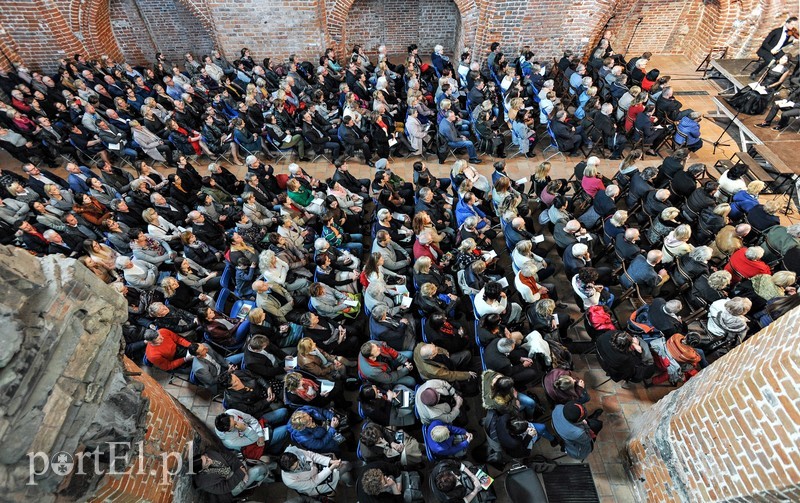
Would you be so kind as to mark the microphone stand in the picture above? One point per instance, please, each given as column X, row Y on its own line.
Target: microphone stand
column 633, row 35
column 719, row 141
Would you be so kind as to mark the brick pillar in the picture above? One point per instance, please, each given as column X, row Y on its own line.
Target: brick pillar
column 732, row 432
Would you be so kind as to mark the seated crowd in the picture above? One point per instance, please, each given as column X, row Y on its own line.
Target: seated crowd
column 281, row 292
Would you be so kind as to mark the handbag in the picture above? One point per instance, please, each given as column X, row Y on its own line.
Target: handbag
column 412, row 487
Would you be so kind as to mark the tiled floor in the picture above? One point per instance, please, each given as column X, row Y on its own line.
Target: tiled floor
column 622, row 406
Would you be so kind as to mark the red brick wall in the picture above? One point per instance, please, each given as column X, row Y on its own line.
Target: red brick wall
column 176, row 30
column 169, row 429
column 40, row 31
column 731, row 432
column 397, row 25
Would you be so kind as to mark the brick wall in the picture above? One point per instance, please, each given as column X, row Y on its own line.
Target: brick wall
column 144, row 27
column 38, row 32
column 730, row 433
column 397, row 25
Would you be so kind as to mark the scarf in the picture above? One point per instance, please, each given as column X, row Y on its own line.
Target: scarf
column 218, row 468
column 530, row 282
column 307, row 390
column 680, row 351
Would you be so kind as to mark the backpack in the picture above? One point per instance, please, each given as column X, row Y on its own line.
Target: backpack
column 639, row 324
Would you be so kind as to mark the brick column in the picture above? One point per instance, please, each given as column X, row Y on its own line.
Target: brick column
column 730, row 433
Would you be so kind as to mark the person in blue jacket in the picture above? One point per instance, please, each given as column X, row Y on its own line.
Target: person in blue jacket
column 445, row 440
column 576, row 429
column 690, row 126
column 314, row 429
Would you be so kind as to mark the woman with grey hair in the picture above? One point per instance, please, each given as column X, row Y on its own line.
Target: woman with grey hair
column 376, row 295
column 727, row 324
column 708, row 289
column 275, row 270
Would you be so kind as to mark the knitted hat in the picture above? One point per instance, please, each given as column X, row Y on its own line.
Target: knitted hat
column 429, row 397
column 573, row 412
column 440, row 433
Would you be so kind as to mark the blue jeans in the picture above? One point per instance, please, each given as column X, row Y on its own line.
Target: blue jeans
column 542, row 431
column 703, row 361
column 526, row 403
column 277, row 434
column 235, row 359
column 466, row 144
column 355, row 246
column 255, row 474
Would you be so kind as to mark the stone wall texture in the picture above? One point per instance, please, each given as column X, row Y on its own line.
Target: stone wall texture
column 730, row 433
column 38, row 32
column 65, row 390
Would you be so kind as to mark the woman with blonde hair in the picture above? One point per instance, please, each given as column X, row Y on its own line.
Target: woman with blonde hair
column 159, row 228
column 776, row 285
column 462, row 171
column 101, row 254
column 663, row 225
column 320, row 363
column 184, row 296
column 677, row 244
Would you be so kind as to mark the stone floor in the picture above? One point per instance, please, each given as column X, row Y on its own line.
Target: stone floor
column 622, row 406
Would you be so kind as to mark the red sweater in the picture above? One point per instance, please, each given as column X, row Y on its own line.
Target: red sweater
column 745, row 268
column 162, row 356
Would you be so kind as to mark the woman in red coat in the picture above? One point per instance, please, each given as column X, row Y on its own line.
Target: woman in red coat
column 746, row 263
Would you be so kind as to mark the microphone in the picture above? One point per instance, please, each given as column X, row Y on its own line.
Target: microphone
column 641, row 18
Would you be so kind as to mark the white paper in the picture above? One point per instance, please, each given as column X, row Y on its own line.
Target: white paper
column 401, row 289
column 266, row 433
column 325, row 386
column 318, row 201
column 392, row 142
column 784, row 103
column 113, row 146
column 287, row 138
column 352, row 303
column 290, row 362
column 555, row 320
column 503, row 282
column 489, row 255
column 522, row 181
column 405, row 303
column 538, row 239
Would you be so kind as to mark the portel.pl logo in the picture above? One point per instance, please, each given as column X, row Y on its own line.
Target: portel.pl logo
column 116, row 459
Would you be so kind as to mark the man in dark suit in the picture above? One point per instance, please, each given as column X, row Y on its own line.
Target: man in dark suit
column 568, row 138
column 625, row 245
column 772, row 46
column 643, row 273
column 355, row 139
column 318, row 139
column 667, row 105
column 475, row 95
column 652, row 136
column 38, row 178
column 606, row 125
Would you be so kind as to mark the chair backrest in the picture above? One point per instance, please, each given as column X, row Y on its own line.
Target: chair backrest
column 222, row 298
column 227, row 276
column 422, row 326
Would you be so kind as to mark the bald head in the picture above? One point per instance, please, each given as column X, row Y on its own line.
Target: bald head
column 632, row 234
column 518, row 223
column 743, row 230
column 654, row 257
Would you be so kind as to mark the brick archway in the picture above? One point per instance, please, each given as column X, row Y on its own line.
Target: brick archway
column 337, row 11
column 91, row 20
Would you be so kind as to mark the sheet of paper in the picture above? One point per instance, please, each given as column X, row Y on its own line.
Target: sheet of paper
column 113, row 146
column 489, row 255
column 352, row 303
column 318, row 201
column 392, row 142
column 325, row 386
column 266, row 433
column 503, row 282
column 538, row 239
column 401, row 289
column 555, row 320
column 522, row 181
column 287, row 138
column 406, row 302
